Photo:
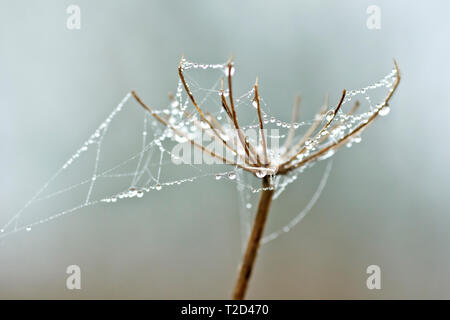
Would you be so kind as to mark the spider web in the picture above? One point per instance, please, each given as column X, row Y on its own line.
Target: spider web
column 121, row 160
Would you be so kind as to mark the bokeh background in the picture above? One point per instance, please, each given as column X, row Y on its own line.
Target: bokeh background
column 386, row 202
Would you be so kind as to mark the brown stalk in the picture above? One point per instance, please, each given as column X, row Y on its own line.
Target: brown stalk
column 254, row 240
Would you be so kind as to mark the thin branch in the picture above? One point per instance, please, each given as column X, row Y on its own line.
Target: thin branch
column 224, row 102
column 351, row 112
column 261, row 126
column 242, row 138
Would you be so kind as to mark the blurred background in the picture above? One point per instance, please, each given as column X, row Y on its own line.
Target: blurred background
column 386, row 202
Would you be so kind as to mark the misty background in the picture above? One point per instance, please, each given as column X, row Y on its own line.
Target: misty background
column 386, row 201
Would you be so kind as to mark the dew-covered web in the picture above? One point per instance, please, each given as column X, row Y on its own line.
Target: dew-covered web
column 131, row 154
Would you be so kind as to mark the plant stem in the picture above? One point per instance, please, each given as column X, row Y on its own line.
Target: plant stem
column 254, row 240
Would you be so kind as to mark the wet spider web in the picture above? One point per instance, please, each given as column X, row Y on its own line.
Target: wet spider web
column 131, row 154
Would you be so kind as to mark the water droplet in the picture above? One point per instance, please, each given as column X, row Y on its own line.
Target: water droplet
column 248, row 205
column 2, row 230
column 132, row 192
column 308, row 142
column 218, row 176
column 158, row 187
column 327, row 154
column 261, row 173
column 384, row 111
column 227, row 71
column 140, row 193
column 232, row 175
column 357, row 139
column 255, row 104
column 28, row 228
column 329, row 116
column 180, row 139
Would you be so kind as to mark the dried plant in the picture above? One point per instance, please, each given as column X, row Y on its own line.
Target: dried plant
column 257, row 160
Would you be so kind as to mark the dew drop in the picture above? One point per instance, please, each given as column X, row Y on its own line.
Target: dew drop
column 140, row 193
column 261, row 173
column 232, row 175
column 248, row 205
column 384, row 111
column 180, row 139
column 328, row 154
column 329, row 116
column 28, row 228
column 255, row 104
column 132, row 192
column 218, row 176
column 158, row 187
column 204, row 124
column 228, row 71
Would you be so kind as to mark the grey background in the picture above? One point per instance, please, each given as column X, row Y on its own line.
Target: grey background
column 386, row 202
